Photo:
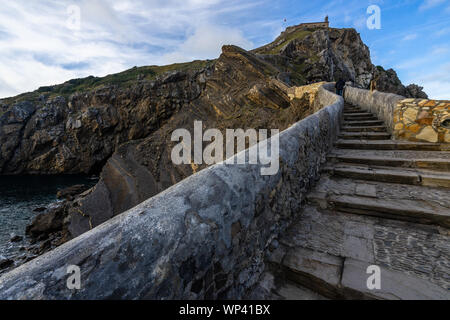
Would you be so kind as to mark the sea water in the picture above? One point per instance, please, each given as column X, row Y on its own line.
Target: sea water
column 20, row 196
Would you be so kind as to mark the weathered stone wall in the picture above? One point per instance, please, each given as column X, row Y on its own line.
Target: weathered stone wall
column 380, row 103
column 205, row 237
column 422, row 120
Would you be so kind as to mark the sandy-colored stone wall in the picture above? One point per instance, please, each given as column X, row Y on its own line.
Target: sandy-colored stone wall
column 419, row 120
column 422, row 120
column 311, row 90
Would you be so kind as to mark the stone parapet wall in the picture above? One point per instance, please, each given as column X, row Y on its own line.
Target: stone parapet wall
column 422, row 120
column 379, row 103
column 203, row 238
column 311, row 91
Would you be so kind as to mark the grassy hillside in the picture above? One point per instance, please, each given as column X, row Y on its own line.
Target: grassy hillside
column 125, row 78
column 276, row 46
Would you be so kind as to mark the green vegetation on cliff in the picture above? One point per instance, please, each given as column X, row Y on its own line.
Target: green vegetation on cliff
column 294, row 36
column 123, row 79
column 283, row 40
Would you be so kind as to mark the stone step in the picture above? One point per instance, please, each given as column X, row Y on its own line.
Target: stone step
column 292, row 291
column 314, row 270
column 364, row 129
column 390, row 174
column 353, row 111
column 338, row 278
column 375, row 159
column 365, row 135
column 390, row 145
column 316, row 249
column 367, row 118
column 416, row 211
column 364, row 123
column 347, row 106
column 359, row 114
column 394, row 285
column 346, row 186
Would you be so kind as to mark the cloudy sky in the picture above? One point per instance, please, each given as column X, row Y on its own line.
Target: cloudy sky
column 44, row 42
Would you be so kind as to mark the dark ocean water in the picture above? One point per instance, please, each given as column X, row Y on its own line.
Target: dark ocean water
column 19, row 196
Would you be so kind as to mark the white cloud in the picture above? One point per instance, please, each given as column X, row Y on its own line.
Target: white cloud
column 437, row 89
column 411, row 64
column 428, row 4
column 435, row 55
column 37, row 48
column 435, row 80
column 410, row 37
column 443, row 31
column 360, row 23
column 206, row 43
column 440, row 50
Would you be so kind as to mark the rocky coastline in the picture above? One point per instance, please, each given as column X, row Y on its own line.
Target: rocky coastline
column 47, row 230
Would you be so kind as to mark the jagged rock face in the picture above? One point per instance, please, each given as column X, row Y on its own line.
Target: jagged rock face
column 330, row 54
column 388, row 81
column 12, row 124
column 416, row 92
column 77, row 135
column 352, row 56
column 3, row 107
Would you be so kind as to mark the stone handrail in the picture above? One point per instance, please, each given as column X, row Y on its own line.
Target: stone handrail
column 205, row 237
column 419, row 120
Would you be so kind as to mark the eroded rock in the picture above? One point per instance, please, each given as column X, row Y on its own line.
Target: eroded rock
column 5, row 263
column 70, row 192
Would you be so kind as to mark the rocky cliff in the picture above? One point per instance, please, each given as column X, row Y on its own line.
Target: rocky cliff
column 388, row 81
column 329, row 54
column 77, row 133
column 120, row 125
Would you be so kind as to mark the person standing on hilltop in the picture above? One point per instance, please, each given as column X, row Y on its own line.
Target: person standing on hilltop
column 340, row 84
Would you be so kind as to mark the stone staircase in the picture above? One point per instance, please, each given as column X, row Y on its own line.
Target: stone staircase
column 379, row 202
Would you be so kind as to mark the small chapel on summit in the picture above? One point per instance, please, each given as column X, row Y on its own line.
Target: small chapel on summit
column 309, row 25
column 324, row 24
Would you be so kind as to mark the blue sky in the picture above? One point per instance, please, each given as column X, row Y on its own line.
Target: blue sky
column 41, row 44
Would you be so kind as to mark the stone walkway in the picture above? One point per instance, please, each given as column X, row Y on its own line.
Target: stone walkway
column 379, row 202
